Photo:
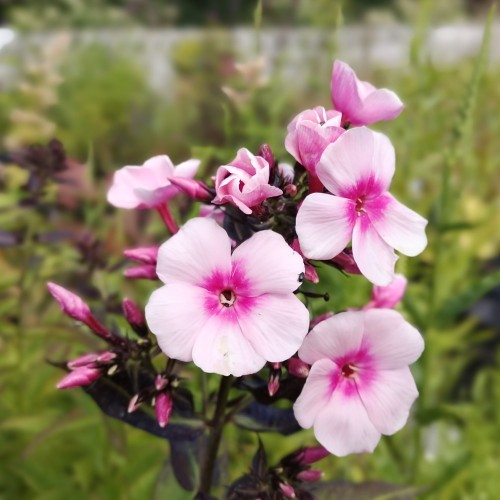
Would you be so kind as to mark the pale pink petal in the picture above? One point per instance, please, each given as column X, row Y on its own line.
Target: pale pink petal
column 344, row 89
column 198, row 250
column 359, row 164
column 221, row 348
column 187, row 169
column 161, row 167
column 382, row 104
column 400, row 227
column 268, row 264
column 121, row 193
column 374, row 257
column 390, row 340
column 324, row 225
column 316, row 392
column 175, row 314
column 275, row 325
column 388, row 296
column 334, row 338
column 388, row 399
column 344, row 427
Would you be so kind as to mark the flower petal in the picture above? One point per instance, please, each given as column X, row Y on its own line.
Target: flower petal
column 344, row 427
column 175, row 315
column 221, row 347
column 187, row 169
column 275, row 325
column 344, row 89
column 200, row 249
column 390, row 340
column 360, row 163
column 316, row 392
column 400, row 227
column 374, row 257
column 334, row 338
column 324, row 225
column 388, row 399
column 267, row 264
column 382, row 104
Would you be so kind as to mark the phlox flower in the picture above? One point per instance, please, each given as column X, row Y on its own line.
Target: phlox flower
column 357, row 169
column 229, row 313
column 359, row 386
column 148, row 186
column 244, row 182
column 310, row 132
column 360, row 102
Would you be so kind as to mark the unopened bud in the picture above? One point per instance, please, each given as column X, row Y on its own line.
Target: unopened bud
column 298, row 368
column 163, row 408
column 106, row 357
column 144, row 255
column 346, row 262
column 266, row 152
column 135, row 317
column 146, row 272
column 194, row 189
column 71, row 305
column 388, row 296
column 310, row 455
column 309, row 476
column 85, row 360
column 134, row 403
column 290, row 190
column 160, row 382
column 80, row 376
column 273, row 383
column 287, row 490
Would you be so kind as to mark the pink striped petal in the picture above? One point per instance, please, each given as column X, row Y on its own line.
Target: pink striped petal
column 275, row 326
column 382, row 104
column 221, row 348
column 360, row 163
column 324, row 225
column 268, row 264
column 388, row 399
column 317, row 391
column 391, row 341
column 344, row 426
column 334, row 338
column 170, row 316
column 200, row 249
column 374, row 257
column 400, row 227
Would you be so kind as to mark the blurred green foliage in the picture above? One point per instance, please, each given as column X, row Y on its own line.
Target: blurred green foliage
column 55, row 444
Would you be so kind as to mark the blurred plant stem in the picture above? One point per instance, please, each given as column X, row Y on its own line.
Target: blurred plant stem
column 216, row 428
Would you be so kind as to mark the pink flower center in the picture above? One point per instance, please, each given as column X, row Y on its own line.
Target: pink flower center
column 227, row 298
column 349, row 370
column 360, row 205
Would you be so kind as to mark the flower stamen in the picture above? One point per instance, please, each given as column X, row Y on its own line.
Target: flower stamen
column 227, row 298
column 349, row 370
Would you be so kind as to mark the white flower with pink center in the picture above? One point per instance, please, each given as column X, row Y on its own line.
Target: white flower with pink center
column 360, row 102
column 148, row 186
column 228, row 313
column 359, row 386
column 357, row 169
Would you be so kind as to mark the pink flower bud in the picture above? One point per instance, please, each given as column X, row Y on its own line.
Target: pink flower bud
column 290, row 190
column 144, row 255
column 71, row 305
column 85, row 360
column 194, row 189
column 309, row 476
column 134, row 403
column 146, row 272
column 106, row 357
column 298, row 368
column 273, row 383
column 80, row 376
column 135, row 317
column 310, row 273
column 267, row 153
column 287, row 490
column 163, row 408
column 311, row 454
column 388, row 296
column 320, row 318
column 346, row 261
column 160, row 382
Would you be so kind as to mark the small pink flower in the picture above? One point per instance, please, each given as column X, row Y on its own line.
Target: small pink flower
column 244, row 182
column 148, row 186
column 358, row 170
column 387, row 297
column 227, row 313
column 310, row 132
column 360, row 385
column 360, row 102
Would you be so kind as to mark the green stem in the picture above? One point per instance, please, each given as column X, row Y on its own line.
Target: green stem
column 217, row 426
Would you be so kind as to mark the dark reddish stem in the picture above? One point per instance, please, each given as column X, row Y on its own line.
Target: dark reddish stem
column 166, row 215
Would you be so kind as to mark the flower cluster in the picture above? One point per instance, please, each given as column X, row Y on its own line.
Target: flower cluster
column 232, row 276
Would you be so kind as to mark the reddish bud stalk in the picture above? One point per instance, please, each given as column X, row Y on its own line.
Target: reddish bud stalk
column 167, row 218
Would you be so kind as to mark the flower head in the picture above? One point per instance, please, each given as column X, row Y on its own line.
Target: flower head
column 360, row 102
column 229, row 313
column 310, row 132
column 148, row 186
column 244, row 182
column 357, row 169
column 360, row 385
